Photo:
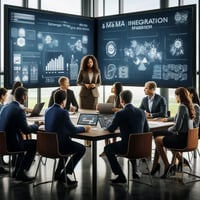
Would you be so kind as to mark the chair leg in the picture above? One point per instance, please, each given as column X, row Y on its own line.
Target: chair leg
column 149, row 171
column 34, row 183
column 128, row 163
column 44, row 162
column 184, row 172
column 190, row 174
column 198, row 152
column 65, row 173
column 48, row 181
column 139, row 181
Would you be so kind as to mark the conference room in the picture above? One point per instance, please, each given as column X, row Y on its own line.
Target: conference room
column 170, row 58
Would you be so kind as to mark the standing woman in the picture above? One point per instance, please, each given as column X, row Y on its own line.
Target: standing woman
column 89, row 79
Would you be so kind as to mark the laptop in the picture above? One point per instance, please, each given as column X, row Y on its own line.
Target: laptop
column 88, row 119
column 37, row 109
column 105, row 108
column 105, row 120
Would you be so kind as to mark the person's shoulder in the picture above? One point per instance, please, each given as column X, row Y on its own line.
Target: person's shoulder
column 70, row 91
column 57, row 89
column 160, row 97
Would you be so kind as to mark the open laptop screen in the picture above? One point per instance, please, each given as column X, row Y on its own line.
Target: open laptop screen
column 37, row 109
column 88, row 119
column 105, row 108
column 105, row 120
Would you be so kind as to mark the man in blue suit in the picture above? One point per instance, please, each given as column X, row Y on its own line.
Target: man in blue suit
column 57, row 120
column 13, row 122
column 129, row 120
column 153, row 104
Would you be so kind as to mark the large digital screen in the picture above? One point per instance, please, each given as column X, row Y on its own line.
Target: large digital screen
column 159, row 45
column 41, row 46
column 156, row 45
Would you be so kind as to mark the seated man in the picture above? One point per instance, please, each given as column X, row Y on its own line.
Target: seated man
column 71, row 104
column 57, row 120
column 13, row 122
column 129, row 120
column 153, row 104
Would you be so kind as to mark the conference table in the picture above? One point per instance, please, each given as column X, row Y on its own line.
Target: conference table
column 96, row 134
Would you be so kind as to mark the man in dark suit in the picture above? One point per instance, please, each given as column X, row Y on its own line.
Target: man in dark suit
column 57, row 120
column 71, row 104
column 129, row 120
column 13, row 122
column 153, row 104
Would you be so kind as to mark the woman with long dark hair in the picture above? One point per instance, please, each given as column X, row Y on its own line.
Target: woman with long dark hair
column 115, row 99
column 176, row 136
column 89, row 78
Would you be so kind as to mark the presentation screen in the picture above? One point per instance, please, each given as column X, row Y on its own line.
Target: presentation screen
column 41, row 46
column 157, row 45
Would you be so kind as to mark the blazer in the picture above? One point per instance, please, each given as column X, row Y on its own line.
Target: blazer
column 58, row 120
column 129, row 120
column 159, row 106
column 183, row 122
column 83, row 79
column 13, row 122
column 70, row 99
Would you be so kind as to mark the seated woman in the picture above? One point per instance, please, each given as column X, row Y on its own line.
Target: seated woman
column 176, row 136
column 115, row 99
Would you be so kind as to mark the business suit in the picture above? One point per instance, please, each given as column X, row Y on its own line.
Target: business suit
column 88, row 96
column 58, row 120
column 159, row 106
column 71, row 100
column 129, row 120
column 13, row 122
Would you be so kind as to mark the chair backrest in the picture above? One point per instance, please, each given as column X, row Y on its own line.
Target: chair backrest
column 47, row 144
column 3, row 143
column 140, row 145
column 192, row 140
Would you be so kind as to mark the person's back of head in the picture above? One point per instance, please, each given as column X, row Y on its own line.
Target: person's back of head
column 194, row 95
column 126, row 96
column 20, row 93
column 59, row 96
column 15, row 86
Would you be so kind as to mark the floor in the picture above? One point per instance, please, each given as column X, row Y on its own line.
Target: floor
column 168, row 189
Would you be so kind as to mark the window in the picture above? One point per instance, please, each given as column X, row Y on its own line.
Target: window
column 138, row 5
column 69, row 6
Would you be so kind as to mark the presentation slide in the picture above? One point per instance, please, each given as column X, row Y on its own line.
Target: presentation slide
column 42, row 46
column 156, row 45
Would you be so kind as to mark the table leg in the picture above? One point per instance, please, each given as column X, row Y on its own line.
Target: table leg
column 94, row 170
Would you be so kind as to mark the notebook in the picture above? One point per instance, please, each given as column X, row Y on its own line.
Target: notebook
column 37, row 109
column 105, row 108
column 88, row 119
column 105, row 120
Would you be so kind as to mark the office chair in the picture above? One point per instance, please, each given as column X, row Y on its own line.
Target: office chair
column 48, row 147
column 139, row 147
column 192, row 145
column 4, row 150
